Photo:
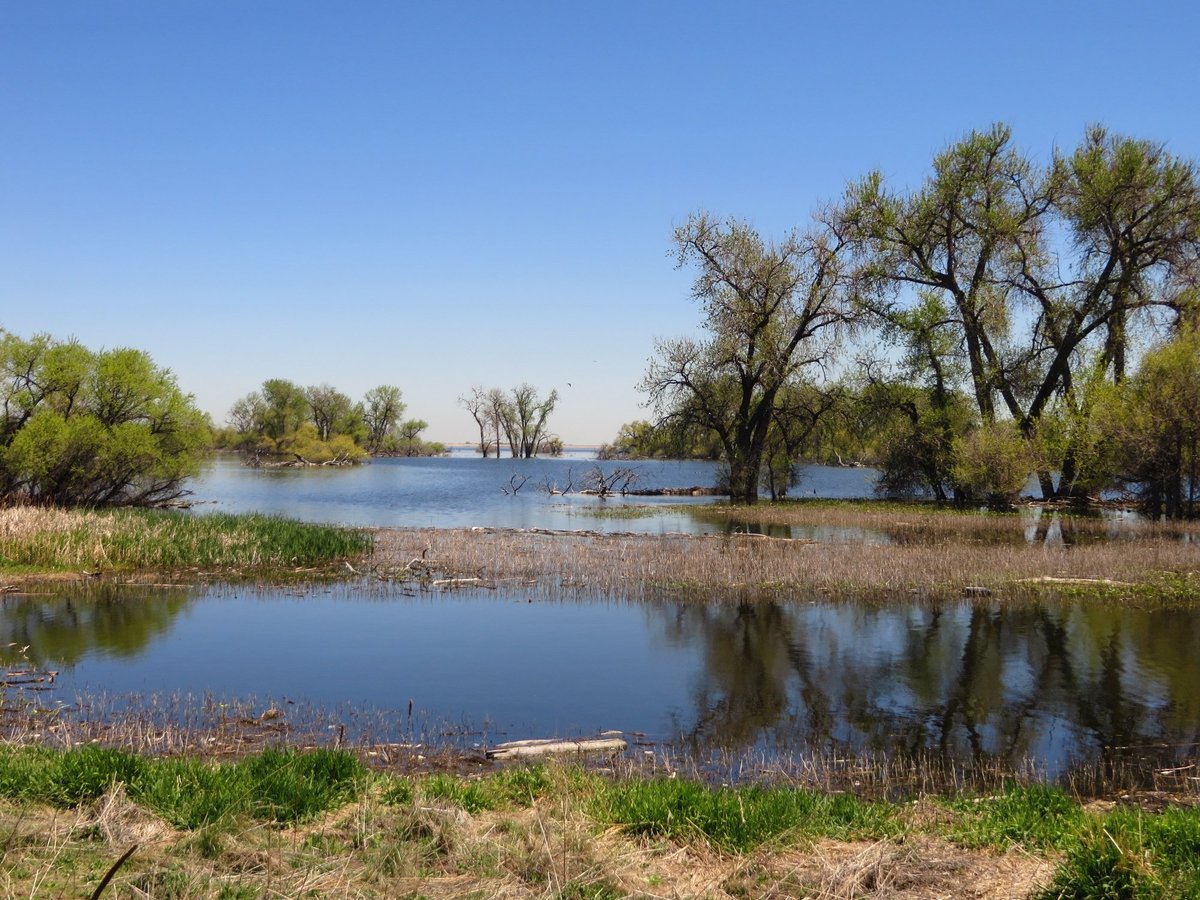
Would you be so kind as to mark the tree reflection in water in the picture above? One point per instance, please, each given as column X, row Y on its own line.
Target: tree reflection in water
column 1060, row 683
column 60, row 630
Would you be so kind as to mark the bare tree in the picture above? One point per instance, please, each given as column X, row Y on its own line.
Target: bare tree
column 770, row 311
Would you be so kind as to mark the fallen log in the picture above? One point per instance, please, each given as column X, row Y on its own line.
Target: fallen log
column 518, row 749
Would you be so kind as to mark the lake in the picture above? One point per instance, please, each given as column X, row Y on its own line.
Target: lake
column 458, row 492
column 1052, row 684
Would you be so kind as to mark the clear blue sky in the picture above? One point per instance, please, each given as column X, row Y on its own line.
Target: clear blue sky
column 441, row 194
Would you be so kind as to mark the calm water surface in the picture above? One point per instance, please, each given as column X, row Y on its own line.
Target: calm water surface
column 1058, row 683
column 455, row 492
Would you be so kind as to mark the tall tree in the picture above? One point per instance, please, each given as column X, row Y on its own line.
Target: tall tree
column 329, row 409
column 770, row 313
column 524, row 417
column 381, row 410
column 478, row 403
column 1036, row 264
column 285, row 408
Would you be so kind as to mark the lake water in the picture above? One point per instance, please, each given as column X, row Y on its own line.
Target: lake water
column 1058, row 683
column 456, row 492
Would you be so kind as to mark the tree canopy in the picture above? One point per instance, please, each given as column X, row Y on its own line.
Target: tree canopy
column 770, row 313
column 101, row 428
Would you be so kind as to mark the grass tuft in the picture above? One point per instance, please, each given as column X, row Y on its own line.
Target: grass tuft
column 740, row 819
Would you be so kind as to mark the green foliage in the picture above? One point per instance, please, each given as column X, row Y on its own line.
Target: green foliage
column 673, row 439
column 1156, row 428
column 992, row 463
column 966, row 272
column 306, row 444
column 381, row 410
column 94, row 429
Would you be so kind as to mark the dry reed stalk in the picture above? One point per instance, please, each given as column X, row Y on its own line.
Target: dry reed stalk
column 736, row 567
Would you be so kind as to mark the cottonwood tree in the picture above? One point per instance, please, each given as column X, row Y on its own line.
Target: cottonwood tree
column 1036, row 265
column 1155, row 427
column 381, row 410
column 524, row 417
column 771, row 313
column 285, row 408
column 329, row 408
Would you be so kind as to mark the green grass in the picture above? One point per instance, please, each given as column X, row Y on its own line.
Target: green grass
column 510, row 787
column 1036, row 817
column 740, row 819
column 1125, row 853
column 275, row 786
column 1132, row 854
column 121, row 540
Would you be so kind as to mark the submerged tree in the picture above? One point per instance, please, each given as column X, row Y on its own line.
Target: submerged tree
column 770, row 313
column 484, row 409
column 524, row 417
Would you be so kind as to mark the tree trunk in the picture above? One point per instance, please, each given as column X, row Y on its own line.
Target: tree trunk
column 743, row 480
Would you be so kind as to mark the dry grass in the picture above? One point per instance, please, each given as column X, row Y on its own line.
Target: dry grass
column 549, row 850
column 745, row 566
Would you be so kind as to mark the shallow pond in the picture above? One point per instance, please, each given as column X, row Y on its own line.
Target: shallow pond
column 1056, row 683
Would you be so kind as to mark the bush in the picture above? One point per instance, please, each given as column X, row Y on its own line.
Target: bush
column 94, row 429
column 992, row 463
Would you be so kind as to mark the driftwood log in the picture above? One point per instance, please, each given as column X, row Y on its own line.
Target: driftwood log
column 518, row 749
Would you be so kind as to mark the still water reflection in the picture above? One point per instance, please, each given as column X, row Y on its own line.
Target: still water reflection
column 1057, row 683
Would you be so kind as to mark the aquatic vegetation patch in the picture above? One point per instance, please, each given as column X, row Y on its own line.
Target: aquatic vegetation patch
column 127, row 539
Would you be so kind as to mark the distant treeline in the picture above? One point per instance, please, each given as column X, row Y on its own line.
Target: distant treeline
column 319, row 424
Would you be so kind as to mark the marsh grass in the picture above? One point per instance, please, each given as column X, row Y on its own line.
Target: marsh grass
column 34, row 538
column 739, row 567
column 1132, row 853
column 1037, row 817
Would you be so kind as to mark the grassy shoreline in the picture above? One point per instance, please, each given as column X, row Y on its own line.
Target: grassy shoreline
column 41, row 541
column 320, row 823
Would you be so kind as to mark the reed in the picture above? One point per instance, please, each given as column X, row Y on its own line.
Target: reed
column 744, row 567
column 43, row 539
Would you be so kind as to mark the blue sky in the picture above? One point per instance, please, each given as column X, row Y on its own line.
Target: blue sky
column 443, row 194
